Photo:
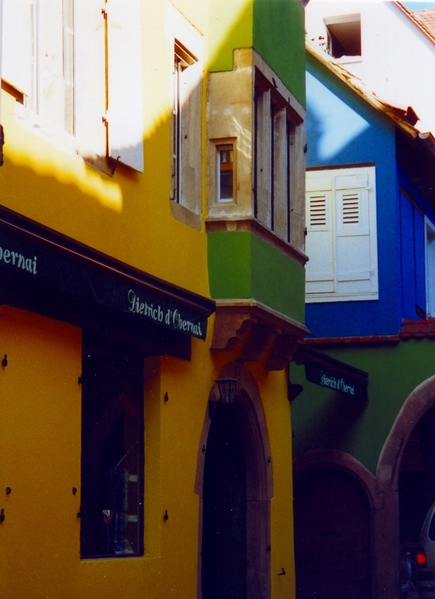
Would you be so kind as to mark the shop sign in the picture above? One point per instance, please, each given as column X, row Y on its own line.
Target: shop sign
column 60, row 267
column 333, row 374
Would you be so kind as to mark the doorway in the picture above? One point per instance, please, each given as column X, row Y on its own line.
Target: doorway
column 332, row 535
column 234, row 481
column 224, row 508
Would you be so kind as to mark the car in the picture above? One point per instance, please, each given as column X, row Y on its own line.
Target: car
column 425, row 557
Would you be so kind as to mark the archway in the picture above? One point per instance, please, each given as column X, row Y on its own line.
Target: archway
column 333, row 532
column 234, row 481
column 405, row 461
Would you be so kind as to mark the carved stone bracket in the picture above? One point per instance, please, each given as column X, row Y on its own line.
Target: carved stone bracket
column 258, row 330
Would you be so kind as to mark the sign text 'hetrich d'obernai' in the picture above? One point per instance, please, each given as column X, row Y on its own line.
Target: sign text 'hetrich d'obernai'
column 170, row 317
column 333, row 374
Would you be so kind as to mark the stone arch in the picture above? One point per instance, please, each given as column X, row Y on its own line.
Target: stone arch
column 420, row 400
column 338, row 459
column 259, row 481
column 387, row 529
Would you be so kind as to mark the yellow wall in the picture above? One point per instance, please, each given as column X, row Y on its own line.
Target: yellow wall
column 40, row 401
column 40, row 461
column 128, row 217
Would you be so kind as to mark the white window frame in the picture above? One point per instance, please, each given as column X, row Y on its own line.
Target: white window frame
column 340, row 231
column 184, row 63
column 342, row 23
column 227, row 150
column 187, row 74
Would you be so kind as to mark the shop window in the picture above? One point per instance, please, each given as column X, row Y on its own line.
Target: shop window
column 112, row 450
column 77, row 68
column 341, row 235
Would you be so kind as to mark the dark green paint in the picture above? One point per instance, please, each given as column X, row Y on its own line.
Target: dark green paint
column 243, row 266
column 275, row 28
column 279, row 38
column 324, row 419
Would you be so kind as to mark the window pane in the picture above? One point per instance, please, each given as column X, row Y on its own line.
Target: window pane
column 226, row 173
column 112, row 450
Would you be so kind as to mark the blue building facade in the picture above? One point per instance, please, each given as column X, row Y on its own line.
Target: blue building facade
column 362, row 461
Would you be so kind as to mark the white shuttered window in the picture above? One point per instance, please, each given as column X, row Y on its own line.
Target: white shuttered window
column 77, row 64
column 341, row 235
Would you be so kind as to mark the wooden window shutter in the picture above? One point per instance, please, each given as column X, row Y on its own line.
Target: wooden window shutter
column 175, row 92
column 320, row 241
column 125, row 106
column 354, row 248
column 17, row 44
column 280, row 172
column 89, row 75
column 263, row 145
column 191, row 141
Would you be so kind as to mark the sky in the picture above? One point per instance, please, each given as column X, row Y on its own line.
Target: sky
column 418, row 5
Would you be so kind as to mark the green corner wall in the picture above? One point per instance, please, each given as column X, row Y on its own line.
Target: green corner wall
column 327, row 420
column 243, row 266
column 279, row 36
column 275, row 28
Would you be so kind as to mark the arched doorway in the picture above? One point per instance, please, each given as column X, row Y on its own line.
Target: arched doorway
column 417, row 480
column 224, row 508
column 403, row 474
column 332, row 535
column 234, row 481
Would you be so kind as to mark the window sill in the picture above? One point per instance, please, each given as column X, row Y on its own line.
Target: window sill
column 186, row 216
column 330, row 297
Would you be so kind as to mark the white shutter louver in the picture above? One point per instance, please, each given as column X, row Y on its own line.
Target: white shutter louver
column 350, row 209
column 317, row 210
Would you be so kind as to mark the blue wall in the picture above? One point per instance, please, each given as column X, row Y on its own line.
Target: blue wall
column 413, row 209
column 342, row 129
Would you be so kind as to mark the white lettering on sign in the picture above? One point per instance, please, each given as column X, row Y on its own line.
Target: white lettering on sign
column 18, row 260
column 143, row 308
column 337, row 384
column 171, row 318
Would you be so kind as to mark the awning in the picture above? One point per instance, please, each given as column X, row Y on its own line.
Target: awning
column 41, row 255
column 333, row 374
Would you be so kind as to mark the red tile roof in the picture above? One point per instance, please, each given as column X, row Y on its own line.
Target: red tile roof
column 417, row 329
column 422, row 18
column 411, row 329
column 427, row 17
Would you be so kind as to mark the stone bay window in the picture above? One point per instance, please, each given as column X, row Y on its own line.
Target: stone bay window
column 256, row 140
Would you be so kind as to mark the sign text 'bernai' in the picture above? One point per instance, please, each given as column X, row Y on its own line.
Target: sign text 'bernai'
column 58, row 267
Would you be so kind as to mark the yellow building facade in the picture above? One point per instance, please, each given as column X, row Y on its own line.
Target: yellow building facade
column 137, row 268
